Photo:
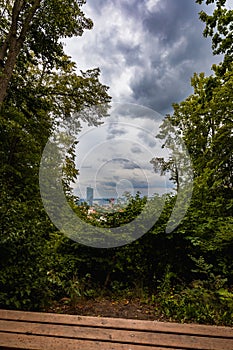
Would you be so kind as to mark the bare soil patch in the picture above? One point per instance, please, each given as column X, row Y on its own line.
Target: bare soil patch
column 104, row 307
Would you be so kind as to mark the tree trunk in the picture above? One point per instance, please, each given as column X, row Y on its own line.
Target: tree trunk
column 8, row 69
column 12, row 45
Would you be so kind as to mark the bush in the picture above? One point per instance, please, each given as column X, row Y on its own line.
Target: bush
column 198, row 304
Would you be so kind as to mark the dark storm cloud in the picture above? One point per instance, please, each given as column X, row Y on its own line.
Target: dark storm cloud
column 159, row 92
column 170, row 19
column 179, row 51
column 147, row 50
column 182, row 51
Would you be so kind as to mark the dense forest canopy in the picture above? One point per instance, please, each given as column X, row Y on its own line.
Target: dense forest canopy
column 190, row 269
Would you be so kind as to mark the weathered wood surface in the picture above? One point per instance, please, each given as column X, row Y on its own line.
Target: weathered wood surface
column 43, row 331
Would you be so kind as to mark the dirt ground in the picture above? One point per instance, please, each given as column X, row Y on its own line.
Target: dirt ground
column 102, row 307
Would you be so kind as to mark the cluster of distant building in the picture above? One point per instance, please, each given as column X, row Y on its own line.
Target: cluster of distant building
column 90, row 200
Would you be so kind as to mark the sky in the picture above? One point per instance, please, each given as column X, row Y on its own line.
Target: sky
column 147, row 51
column 114, row 158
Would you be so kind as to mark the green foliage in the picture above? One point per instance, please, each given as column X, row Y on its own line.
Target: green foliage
column 219, row 26
column 41, row 91
column 24, row 258
column 197, row 303
column 188, row 271
column 32, row 31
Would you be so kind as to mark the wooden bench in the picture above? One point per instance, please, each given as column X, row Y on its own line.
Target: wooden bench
column 43, row 331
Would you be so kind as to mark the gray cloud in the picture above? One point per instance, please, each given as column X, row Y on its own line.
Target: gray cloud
column 123, row 164
column 111, row 185
column 139, row 184
column 108, row 184
column 131, row 165
column 134, row 111
column 115, row 130
column 170, row 19
column 177, row 49
column 136, row 149
column 147, row 139
column 130, row 52
column 121, row 161
column 147, row 51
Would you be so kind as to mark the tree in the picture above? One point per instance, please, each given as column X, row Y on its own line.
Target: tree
column 39, row 91
column 170, row 166
column 34, row 29
column 219, row 26
column 204, row 122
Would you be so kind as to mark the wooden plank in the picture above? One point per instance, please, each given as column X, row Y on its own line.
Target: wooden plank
column 118, row 336
column 119, row 323
column 31, row 342
column 31, row 330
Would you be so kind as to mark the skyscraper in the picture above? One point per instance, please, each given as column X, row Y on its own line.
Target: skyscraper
column 90, row 195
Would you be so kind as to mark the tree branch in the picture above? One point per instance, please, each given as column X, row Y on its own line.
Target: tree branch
column 18, row 5
column 13, row 45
